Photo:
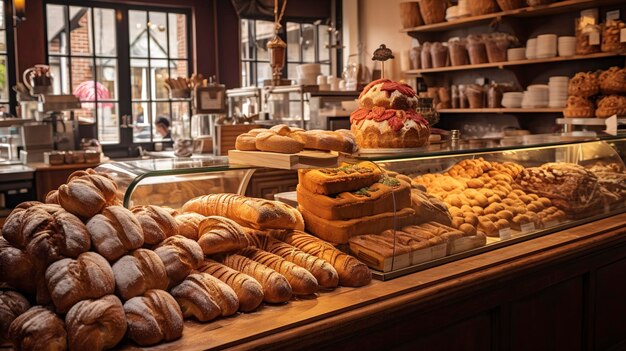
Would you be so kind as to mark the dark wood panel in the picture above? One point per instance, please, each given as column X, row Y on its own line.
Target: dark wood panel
column 610, row 306
column 265, row 183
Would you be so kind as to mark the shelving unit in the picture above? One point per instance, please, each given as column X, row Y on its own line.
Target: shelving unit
column 501, row 110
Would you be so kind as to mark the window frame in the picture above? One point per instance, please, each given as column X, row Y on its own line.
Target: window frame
column 9, row 30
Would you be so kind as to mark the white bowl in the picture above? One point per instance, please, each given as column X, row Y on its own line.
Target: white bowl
column 516, row 54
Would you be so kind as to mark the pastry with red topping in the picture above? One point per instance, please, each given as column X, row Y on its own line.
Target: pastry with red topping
column 387, row 117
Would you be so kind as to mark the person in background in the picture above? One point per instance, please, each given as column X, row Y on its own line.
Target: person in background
column 163, row 127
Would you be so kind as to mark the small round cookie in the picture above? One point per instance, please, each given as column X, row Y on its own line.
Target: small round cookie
column 272, row 142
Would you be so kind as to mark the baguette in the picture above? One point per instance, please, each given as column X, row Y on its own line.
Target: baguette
column 248, row 290
column 273, row 142
column 323, row 271
column 302, row 282
column 205, row 297
column 219, row 234
column 351, row 271
column 247, row 211
column 337, row 180
column 276, row 288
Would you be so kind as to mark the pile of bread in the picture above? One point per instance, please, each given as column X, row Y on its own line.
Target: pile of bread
column 600, row 94
column 362, row 205
column 82, row 272
column 289, row 140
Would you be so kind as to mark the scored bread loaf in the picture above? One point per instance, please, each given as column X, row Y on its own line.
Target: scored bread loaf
column 325, row 274
column 276, row 288
column 16, row 264
column 153, row 317
column 85, row 195
column 273, row 142
column 96, row 325
column 249, row 291
column 38, row 329
column 352, row 272
column 87, row 277
column 337, row 180
column 246, row 142
column 205, row 297
column 12, row 304
column 115, row 232
column 138, row 272
column 180, row 256
column 218, row 234
column 188, row 224
column 325, row 140
column 156, row 222
column 302, row 281
column 247, row 211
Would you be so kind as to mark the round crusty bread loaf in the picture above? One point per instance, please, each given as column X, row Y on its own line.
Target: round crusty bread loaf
column 138, row 272
column 249, row 291
column 96, row 325
column 153, row 317
column 205, row 297
column 269, row 141
column 87, row 195
column 188, row 224
column 38, row 329
column 156, row 222
column 246, row 142
column 180, row 256
column 88, row 277
column 115, row 232
column 15, row 264
column 12, row 304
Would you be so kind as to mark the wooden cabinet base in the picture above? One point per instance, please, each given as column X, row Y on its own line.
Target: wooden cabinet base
column 561, row 291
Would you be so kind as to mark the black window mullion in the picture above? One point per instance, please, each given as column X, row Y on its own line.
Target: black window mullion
column 95, row 67
column 149, row 76
column 69, row 50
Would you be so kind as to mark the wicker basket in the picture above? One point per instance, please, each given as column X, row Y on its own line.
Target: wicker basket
column 410, row 15
column 482, row 7
column 433, row 11
column 508, row 5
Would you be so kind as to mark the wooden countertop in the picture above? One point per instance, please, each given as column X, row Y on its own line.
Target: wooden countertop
column 303, row 322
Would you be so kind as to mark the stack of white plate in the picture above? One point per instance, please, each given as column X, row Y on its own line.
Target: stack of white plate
column 546, row 45
column 536, row 96
column 512, row 99
column 308, row 72
column 567, row 46
column 531, row 48
column 558, row 91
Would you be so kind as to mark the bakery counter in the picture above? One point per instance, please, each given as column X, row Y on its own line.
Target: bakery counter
column 562, row 290
column 48, row 177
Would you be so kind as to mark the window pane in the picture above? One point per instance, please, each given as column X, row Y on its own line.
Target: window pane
column 104, row 28
column 292, row 71
column 139, row 79
column 59, row 68
column 4, row 79
column 308, row 43
column 326, row 70
column 80, row 30
column 161, row 110
column 86, row 114
column 158, row 34
column 141, row 122
column 324, row 53
column 178, row 35
column 264, row 32
column 138, row 37
column 2, row 16
column 264, row 71
column 108, row 123
column 82, row 79
column 3, row 41
column 157, row 78
column 179, row 68
column 293, row 42
column 246, row 74
column 247, row 49
column 55, row 24
column 106, row 72
column 180, row 120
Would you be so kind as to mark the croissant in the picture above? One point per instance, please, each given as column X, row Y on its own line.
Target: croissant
column 153, row 317
column 247, row 211
column 115, row 232
column 96, row 324
column 248, row 290
column 38, row 329
column 276, row 288
column 219, row 234
column 156, row 222
column 180, row 256
column 205, row 297
column 138, row 272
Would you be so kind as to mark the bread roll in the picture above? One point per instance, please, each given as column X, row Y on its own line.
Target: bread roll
column 302, row 282
column 115, row 232
column 199, row 295
column 276, row 288
column 326, row 140
column 247, row 211
column 220, row 234
column 12, row 304
column 325, row 274
column 153, row 318
column 138, row 272
column 96, row 325
column 156, row 222
column 52, row 197
column 246, row 142
column 87, row 277
column 38, row 329
column 188, row 224
column 249, row 291
column 352, row 272
column 85, row 195
column 273, row 142
column 15, row 264
column 180, row 256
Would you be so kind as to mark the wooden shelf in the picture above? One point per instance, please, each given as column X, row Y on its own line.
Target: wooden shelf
column 554, row 8
column 504, row 64
column 501, row 110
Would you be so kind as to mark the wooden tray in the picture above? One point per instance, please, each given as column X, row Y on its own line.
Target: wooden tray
column 304, row 159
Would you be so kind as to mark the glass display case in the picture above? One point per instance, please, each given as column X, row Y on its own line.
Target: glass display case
column 463, row 201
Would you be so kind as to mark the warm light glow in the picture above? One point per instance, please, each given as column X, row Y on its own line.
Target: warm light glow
column 20, row 8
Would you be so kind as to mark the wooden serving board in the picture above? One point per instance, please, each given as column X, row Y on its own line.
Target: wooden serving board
column 304, row 159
